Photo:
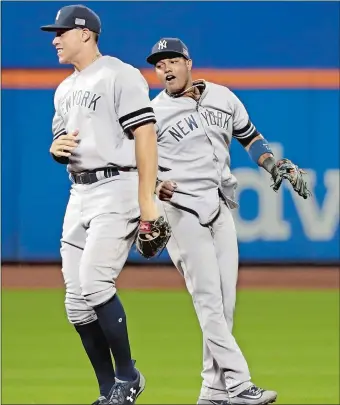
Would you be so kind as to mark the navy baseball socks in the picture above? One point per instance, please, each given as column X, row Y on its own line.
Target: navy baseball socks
column 98, row 351
column 112, row 320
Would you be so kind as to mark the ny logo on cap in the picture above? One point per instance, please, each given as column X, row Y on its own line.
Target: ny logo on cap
column 162, row 44
column 58, row 14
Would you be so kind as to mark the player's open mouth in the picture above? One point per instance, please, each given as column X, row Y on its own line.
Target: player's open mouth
column 169, row 78
column 59, row 50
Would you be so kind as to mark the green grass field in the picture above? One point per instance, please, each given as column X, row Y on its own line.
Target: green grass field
column 290, row 339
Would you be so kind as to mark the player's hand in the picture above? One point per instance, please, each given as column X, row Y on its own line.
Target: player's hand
column 165, row 190
column 286, row 169
column 64, row 145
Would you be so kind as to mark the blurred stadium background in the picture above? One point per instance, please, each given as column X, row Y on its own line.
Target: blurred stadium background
column 282, row 60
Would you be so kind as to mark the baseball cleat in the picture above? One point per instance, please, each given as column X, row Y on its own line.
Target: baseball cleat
column 100, row 401
column 126, row 392
column 213, row 401
column 254, row 396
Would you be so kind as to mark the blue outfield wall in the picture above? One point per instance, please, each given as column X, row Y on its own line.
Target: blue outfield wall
column 301, row 125
column 219, row 34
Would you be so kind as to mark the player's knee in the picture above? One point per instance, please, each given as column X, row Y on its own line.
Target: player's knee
column 97, row 298
column 209, row 299
column 80, row 316
column 97, row 292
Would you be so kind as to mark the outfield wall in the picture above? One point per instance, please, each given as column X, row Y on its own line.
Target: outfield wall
column 281, row 59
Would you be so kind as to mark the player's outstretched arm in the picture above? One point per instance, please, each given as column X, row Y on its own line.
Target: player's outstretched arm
column 264, row 157
column 147, row 165
column 259, row 150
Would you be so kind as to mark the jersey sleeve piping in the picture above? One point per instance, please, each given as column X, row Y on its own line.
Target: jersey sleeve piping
column 245, row 132
column 59, row 133
column 142, row 116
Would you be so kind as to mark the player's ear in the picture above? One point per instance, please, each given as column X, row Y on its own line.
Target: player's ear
column 86, row 35
column 189, row 64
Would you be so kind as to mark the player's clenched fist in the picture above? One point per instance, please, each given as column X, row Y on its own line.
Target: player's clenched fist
column 165, row 190
column 64, row 145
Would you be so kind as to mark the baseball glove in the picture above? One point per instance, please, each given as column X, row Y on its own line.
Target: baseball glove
column 152, row 237
column 286, row 169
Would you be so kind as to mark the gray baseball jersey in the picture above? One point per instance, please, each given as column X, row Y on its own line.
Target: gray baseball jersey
column 103, row 102
column 194, row 139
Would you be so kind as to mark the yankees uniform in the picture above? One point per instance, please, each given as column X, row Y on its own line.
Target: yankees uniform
column 194, row 139
column 101, row 103
column 193, row 145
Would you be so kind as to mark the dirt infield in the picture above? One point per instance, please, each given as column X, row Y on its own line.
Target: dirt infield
column 167, row 277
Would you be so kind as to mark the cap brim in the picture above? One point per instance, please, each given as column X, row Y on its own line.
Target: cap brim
column 156, row 57
column 54, row 27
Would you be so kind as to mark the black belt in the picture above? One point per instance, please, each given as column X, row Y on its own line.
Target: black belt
column 90, row 176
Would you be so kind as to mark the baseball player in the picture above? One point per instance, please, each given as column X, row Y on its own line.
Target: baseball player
column 196, row 121
column 103, row 129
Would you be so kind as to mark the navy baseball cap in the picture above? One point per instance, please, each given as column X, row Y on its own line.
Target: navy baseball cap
column 75, row 16
column 167, row 48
